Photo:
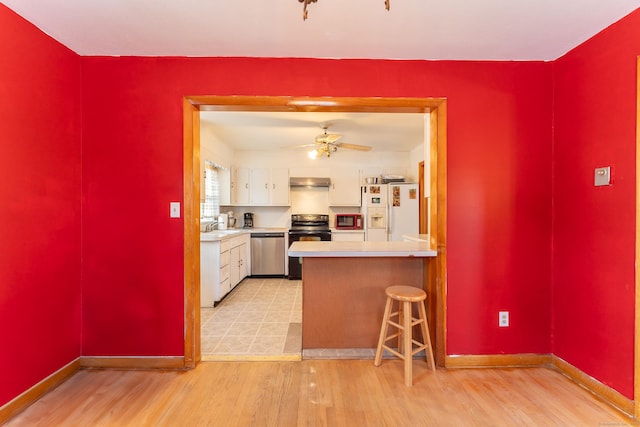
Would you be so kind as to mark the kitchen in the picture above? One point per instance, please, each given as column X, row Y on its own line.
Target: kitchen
column 275, row 147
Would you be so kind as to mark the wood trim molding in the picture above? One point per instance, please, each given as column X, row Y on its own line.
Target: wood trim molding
column 21, row 402
column 133, row 362
column 436, row 107
column 602, row 391
column 498, row 360
column 438, row 224
column 636, row 348
column 191, row 243
column 423, row 206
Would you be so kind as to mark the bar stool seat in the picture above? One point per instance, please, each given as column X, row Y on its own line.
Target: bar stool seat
column 404, row 323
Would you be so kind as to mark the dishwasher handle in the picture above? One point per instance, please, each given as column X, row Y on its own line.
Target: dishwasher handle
column 272, row 235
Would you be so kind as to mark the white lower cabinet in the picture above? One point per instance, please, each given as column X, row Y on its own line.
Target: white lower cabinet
column 239, row 259
column 223, row 264
column 209, row 272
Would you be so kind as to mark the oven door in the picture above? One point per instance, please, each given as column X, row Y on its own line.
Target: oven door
column 295, row 263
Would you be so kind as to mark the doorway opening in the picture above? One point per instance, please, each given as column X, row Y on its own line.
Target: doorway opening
column 435, row 108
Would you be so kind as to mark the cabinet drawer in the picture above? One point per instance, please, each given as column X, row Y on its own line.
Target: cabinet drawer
column 224, row 273
column 225, row 245
column 225, row 286
column 224, row 259
column 234, row 242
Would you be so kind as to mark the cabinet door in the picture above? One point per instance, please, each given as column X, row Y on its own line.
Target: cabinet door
column 345, row 188
column 225, row 184
column 234, row 266
column 241, row 187
column 246, row 255
column 242, row 253
column 279, row 187
column 259, row 186
column 209, row 273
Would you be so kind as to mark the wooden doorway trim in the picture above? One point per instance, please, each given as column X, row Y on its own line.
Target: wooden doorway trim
column 636, row 348
column 191, row 215
column 423, row 205
column 192, row 105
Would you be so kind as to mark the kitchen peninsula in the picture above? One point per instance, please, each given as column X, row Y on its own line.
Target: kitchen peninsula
column 343, row 287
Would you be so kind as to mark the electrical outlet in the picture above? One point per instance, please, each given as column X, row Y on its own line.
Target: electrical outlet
column 503, row 319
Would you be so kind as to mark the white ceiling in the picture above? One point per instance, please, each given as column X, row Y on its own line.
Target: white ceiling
column 412, row 29
column 289, row 130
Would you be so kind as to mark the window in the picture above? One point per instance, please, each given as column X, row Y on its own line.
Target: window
column 211, row 205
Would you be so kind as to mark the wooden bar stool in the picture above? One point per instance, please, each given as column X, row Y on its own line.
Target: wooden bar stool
column 405, row 295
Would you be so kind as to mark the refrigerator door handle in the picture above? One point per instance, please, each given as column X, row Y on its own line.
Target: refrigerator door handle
column 389, row 221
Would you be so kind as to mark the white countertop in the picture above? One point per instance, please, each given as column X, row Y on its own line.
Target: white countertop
column 416, row 237
column 360, row 249
column 217, row 235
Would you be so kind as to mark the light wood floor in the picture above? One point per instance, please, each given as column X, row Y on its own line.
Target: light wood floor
column 319, row 393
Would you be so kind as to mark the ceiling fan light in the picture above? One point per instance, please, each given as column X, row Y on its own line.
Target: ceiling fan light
column 313, row 154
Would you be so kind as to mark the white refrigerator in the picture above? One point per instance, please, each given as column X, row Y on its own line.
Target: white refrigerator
column 390, row 211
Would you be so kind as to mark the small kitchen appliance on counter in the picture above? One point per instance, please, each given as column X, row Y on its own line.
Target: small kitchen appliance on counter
column 232, row 219
column 223, row 221
column 248, row 220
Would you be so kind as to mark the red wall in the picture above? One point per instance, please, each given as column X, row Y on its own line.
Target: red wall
column 594, row 227
column 499, row 189
column 500, row 158
column 40, row 217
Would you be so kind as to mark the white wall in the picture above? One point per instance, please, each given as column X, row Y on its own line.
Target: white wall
column 416, row 156
column 371, row 163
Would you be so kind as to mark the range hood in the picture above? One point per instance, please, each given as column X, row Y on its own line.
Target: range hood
column 309, row 182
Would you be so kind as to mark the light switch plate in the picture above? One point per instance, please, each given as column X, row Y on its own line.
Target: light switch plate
column 602, row 176
column 174, row 209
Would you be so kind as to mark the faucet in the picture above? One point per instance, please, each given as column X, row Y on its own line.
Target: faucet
column 210, row 226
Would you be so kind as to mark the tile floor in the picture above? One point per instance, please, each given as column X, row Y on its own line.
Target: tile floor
column 260, row 318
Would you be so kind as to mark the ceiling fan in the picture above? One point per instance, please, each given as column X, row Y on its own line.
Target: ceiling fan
column 327, row 143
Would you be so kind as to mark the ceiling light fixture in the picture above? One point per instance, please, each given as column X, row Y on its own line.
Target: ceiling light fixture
column 324, row 149
column 307, row 2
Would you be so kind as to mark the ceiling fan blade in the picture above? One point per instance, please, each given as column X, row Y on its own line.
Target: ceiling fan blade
column 354, row 146
column 301, row 146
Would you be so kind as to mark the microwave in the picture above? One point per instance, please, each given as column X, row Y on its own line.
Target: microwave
column 348, row 221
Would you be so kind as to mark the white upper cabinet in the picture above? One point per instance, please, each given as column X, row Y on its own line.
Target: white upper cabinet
column 225, row 183
column 345, row 187
column 256, row 187
column 240, row 186
column 259, row 186
column 279, row 187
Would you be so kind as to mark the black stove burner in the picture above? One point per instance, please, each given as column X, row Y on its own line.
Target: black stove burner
column 310, row 221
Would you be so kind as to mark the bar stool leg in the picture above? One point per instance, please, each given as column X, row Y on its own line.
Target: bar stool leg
column 426, row 336
column 408, row 346
column 383, row 331
column 400, row 344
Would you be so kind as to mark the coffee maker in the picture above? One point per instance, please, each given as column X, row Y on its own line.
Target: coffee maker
column 248, row 220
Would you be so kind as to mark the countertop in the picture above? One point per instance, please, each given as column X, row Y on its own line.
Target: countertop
column 217, row 235
column 360, row 249
column 416, row 237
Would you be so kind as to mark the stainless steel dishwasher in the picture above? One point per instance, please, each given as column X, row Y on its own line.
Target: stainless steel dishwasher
column 267, row 254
